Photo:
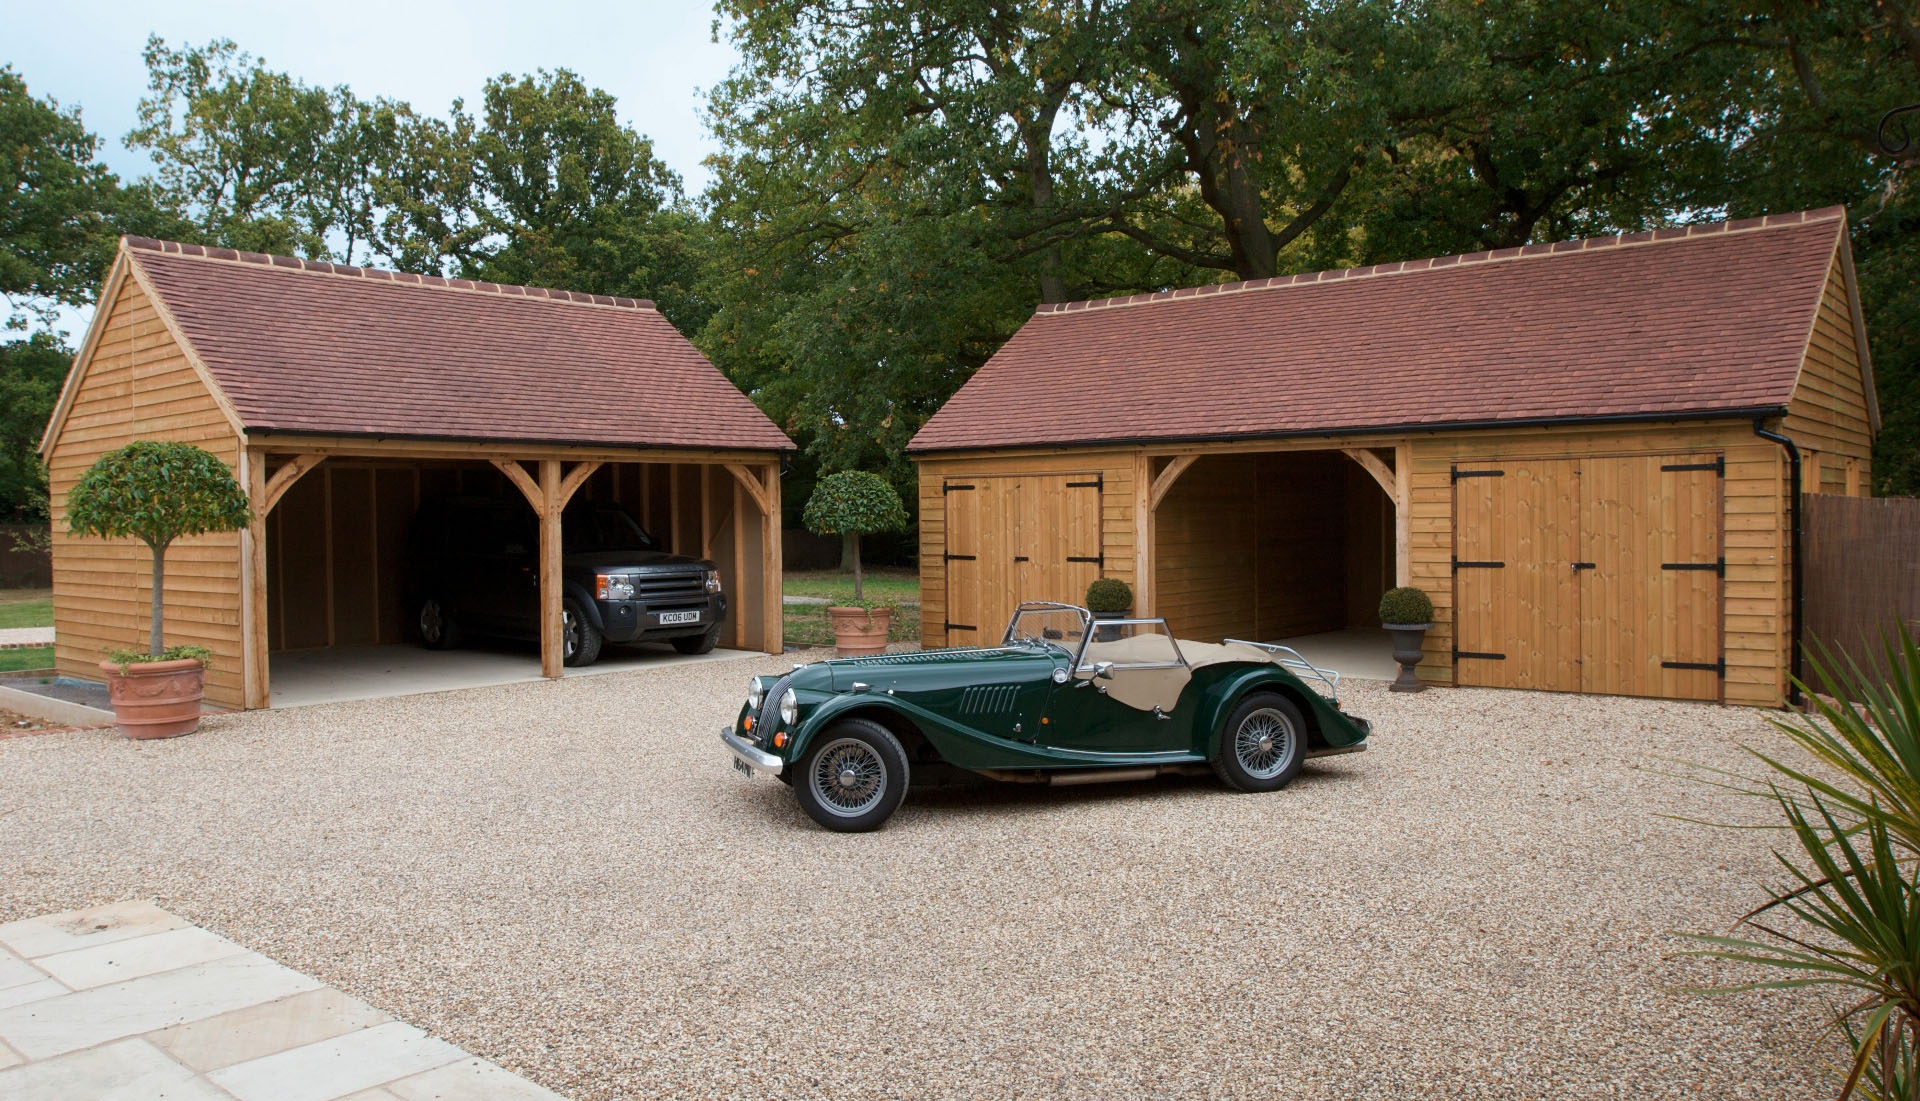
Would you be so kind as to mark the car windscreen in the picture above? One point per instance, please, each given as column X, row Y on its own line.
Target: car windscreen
column 599, row 528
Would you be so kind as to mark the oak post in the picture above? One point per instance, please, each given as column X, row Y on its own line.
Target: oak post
column 258, row 687
column 552, row 639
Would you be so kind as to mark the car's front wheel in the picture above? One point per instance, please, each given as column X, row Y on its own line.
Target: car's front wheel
column 436, row 625
column 697, row 644
column 582, row 641
column 1262, row 744
column 853, row 777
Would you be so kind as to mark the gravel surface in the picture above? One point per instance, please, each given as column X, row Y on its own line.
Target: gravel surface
column 568, row 879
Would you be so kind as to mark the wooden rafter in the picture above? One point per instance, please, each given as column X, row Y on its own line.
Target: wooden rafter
column 1376, row 466
column 1164, row 483
column 283, row 479
column 518, row 475
column 752, row 485
column 576, row 478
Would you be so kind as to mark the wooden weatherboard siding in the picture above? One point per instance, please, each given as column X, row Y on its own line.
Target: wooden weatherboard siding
column 1184, row 569
column 1829, row 414
column 136, row 382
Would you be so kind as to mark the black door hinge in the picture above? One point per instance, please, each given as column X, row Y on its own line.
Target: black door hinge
column 959, row 557
column 1718, row 566
column 961, row 627
column 1099, row 482
column 1719, row 667
column 1718, row 466
column 1458, row 654
column 1464, row 564
column 1099, row 559
column 954, row 487
column 1459, row 473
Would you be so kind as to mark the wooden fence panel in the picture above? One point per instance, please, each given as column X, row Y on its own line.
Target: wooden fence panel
column 1862, row 573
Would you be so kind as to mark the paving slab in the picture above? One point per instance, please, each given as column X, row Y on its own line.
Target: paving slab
column 130, row 1001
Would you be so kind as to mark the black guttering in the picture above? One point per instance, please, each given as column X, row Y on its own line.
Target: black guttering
column 328, row 433
column 1798, row 595
column 1745, row 413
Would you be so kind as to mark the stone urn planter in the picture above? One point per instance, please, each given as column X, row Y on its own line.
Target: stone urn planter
column 1406, row 613
column 1109, row 598
column 858, row 632
column 156, row 699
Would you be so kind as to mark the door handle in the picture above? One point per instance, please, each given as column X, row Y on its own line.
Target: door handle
column 1577, row 566
column 1021, row 558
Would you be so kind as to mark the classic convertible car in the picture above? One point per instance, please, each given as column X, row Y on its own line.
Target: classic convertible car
column 1064, row 699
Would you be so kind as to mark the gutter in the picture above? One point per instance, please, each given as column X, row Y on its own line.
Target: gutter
column 265, row 432
column 1756, row 412
column 1794, row 523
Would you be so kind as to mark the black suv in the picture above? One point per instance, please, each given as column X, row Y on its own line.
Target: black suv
column 473, row 567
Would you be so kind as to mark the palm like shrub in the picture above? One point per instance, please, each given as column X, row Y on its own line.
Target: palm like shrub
column 1848, row 917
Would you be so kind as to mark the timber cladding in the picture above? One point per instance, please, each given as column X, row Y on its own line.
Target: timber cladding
column 140, row 385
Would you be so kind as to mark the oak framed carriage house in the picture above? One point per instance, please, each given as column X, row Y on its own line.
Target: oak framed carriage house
column 1573, row 448
column 341, row 396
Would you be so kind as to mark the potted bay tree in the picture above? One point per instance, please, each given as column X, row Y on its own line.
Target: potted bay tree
column 850, row 504
column 1406, row 613
column 157, row 492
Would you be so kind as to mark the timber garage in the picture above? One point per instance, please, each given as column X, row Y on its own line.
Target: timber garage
column 343, row 397
column 1584, row 452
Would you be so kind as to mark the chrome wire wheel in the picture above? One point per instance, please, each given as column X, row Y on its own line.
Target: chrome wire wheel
column 848, row 778
column 1264, row 743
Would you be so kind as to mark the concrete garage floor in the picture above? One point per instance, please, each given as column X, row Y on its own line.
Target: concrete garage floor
column 302, row 678
column 1360, row 653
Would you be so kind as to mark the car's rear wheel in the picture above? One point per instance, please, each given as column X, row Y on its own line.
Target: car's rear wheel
column 853, row 777
column 580, row 638
column 438, row 630
column 1262, row 744
column 698, row 644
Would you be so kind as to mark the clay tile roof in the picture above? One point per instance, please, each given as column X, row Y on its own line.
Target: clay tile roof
column 309, row 347
column 1702, row 319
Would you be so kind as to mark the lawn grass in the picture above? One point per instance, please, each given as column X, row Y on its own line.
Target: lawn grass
column 806, row 624
column 892, row 584
column 27, row 657
column 26, row 607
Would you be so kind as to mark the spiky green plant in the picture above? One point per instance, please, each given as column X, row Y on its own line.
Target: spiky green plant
column 1848, row 917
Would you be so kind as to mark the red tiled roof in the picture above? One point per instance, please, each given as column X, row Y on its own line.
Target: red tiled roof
column 303, row 346
column 1701, row 319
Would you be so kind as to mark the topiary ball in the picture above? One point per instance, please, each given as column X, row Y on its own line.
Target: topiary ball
column 1109, row 594
column 1405, row 606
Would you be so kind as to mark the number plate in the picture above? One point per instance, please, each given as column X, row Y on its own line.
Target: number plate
column 743, row 768
column 669, row 618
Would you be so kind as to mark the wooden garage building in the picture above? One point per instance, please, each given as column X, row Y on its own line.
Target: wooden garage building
column 342, row 396
column 1573, row 448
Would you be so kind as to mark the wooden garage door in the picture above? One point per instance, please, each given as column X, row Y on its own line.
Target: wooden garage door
column 1590, row 575
column 1016, row 538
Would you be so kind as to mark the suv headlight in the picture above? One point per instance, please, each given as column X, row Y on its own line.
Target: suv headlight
column 613, row 586
column 756, row 694
column 713, row 581
column 789, row 707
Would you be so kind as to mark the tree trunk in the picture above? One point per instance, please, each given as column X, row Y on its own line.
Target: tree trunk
column 154, row 635
column 849, row 550
column 853, row 540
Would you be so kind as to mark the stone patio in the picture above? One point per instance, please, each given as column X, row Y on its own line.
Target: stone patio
column 130, row 1001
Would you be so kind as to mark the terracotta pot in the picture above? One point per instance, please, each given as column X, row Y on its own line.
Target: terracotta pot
column 1408, row 638
column 157, row 699
column 856, row 634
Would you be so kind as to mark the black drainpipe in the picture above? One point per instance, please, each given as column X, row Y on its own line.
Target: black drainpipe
column 1793, row 521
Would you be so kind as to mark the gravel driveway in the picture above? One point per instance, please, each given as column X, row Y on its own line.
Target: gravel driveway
column 568, row 879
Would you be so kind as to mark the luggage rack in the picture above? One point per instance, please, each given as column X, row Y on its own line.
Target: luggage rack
column 1291, row 658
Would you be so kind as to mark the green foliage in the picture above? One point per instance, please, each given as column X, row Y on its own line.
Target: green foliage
column 1405, row 606
column 31, row 373
column 63, row 209
column 1849, row 916
column 156, row 492
column 124, row 658
column 854, row 502
column 1109, row 594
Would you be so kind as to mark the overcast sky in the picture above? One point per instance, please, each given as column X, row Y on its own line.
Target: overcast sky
column 655, row 57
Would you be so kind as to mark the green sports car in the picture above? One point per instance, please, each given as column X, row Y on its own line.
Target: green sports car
column 1064, row 699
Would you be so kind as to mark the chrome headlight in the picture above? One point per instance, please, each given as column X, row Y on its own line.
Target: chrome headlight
column 789, row 707
column 756, row 694
column 613, row 586
column 713, row 581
